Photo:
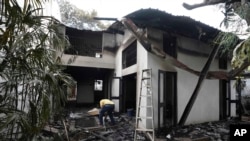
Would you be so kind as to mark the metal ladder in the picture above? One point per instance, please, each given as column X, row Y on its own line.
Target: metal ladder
column 146, row 93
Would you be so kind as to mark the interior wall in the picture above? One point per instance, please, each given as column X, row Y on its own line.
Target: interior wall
column 86, row 78
column 85, row 92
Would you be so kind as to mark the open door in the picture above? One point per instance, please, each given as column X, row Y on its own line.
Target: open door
column 223, row 99
column 129, row 92
column 167, row 104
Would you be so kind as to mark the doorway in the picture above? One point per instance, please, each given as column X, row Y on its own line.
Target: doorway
column 167, row 95
column 129, row 92
column 223, row 99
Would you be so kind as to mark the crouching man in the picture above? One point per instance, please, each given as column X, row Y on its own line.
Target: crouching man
column 107, row 106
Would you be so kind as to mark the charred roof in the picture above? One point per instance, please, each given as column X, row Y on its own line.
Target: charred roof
column 158, row 19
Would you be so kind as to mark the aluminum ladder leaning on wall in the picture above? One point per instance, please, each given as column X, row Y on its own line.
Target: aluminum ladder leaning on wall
column 146, row 93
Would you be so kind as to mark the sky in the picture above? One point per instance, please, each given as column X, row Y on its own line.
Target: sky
column 210, row 15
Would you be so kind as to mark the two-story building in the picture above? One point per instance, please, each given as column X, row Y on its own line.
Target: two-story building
column 109, row 64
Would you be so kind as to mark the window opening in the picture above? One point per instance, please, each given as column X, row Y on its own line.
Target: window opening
column 98, row 85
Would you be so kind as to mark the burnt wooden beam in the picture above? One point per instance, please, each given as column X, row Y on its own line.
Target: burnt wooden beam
column 134, row 29
column 203, row 74
column 105, row 19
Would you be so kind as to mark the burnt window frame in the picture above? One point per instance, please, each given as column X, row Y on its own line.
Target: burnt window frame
column 129, row 55
column 169, row 45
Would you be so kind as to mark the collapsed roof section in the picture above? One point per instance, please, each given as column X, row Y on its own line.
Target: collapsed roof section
column 161, row 20
column 181, row 25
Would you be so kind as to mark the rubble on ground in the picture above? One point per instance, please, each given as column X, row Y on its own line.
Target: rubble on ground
column 209, row 131
column 84, row 127
column 123, row 130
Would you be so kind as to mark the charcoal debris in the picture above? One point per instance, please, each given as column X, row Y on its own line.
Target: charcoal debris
column 209, row 131
column 84, row 127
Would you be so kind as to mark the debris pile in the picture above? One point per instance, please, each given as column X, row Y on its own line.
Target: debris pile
column 122, row 131
column 82, row 126
column 209, row 131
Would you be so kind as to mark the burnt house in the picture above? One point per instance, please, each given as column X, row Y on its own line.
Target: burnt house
column 179, row 48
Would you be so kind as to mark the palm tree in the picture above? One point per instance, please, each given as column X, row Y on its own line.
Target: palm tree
column 32, row 81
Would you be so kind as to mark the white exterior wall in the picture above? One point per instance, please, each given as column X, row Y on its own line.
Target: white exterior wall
column 206, row 106
column 142, row 63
